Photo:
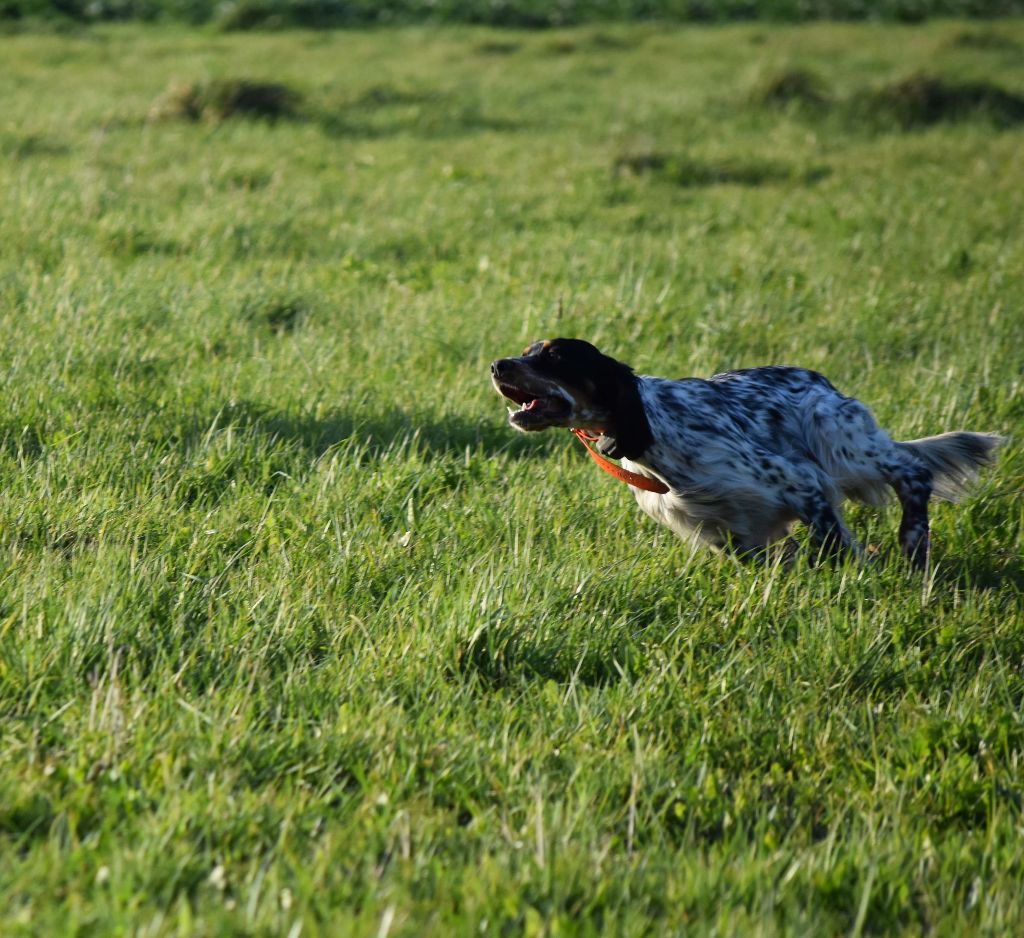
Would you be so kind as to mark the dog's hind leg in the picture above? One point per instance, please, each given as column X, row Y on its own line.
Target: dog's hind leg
column 943, row 465
column 913, row 485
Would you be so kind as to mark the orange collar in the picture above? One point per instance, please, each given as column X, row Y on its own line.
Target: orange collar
column 623, row 475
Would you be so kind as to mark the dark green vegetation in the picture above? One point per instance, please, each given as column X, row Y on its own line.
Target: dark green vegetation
column 297, row 634
column 529, row 14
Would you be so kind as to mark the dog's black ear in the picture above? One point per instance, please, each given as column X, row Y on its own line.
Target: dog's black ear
column 629, row 432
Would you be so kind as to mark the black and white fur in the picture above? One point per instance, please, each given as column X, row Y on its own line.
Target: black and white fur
column 745, row 453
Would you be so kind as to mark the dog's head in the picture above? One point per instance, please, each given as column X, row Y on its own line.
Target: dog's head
column 567, row 383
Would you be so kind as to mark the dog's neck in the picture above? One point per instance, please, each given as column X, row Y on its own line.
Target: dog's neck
column 628, row 434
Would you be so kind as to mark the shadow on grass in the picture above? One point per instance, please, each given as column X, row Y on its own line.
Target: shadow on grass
column 505, row 657
column 21, row 441
column 374, row 433
column 31, row 145
column 450, row 121
column 981, row 572
column 386, row 110
column 689, row 172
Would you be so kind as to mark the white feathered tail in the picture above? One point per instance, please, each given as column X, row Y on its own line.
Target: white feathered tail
column 955, row 459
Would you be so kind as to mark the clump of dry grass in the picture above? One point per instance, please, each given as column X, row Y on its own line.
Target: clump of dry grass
column 497, row 47
column 219, row 99
column 983, row 41
column 638, row 160
column 279, row 315
column 917, row 100
column 691, row 172
column 793, row 87
column 921, row 100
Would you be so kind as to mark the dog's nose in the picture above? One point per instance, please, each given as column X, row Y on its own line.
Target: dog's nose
column 499, row 367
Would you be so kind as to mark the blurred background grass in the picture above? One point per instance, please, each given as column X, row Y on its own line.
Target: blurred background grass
column 531, row 14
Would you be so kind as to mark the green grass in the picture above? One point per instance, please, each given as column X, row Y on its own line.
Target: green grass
column 298, row 637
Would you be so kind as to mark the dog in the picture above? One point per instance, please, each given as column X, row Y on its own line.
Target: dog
column 734, row 460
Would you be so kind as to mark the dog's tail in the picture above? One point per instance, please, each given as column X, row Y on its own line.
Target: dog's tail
column 955, row 459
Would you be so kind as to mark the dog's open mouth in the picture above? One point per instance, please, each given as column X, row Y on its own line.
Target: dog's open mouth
column 536, row 412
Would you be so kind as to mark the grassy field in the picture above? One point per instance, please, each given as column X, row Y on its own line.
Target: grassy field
column 298, row 637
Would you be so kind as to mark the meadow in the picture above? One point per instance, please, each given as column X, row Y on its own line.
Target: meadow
column 298, row 637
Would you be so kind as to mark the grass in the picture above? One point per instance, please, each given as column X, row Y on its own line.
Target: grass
column 298, row 637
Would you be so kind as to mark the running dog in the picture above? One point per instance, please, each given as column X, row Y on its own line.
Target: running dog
column 734, row 460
